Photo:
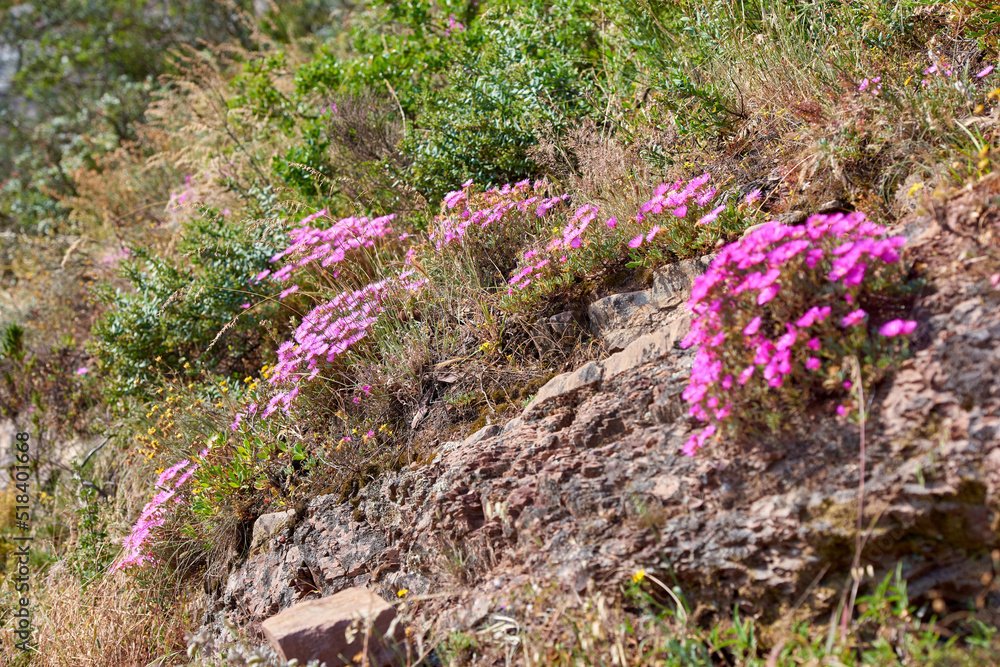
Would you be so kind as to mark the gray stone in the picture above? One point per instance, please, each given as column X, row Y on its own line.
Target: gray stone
column 487, row 431
column 269, row 526
column 618, row 311
column 620, row 319
column 336, row 630
column 793, row 217
column 672, row 284
column 588, row 375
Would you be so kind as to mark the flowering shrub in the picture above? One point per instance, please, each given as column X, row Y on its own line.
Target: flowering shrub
column 679, row 220
column 503, row 236
column 779, row 311
column 511, row 229
column 154, row 513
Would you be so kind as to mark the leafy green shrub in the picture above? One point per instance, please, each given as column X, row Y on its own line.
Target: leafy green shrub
column 179, row 306
column 529, row 68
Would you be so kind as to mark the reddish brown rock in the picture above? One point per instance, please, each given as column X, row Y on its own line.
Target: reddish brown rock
column 337, row 629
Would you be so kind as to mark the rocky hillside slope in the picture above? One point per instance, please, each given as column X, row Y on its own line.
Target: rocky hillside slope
column 588, row 486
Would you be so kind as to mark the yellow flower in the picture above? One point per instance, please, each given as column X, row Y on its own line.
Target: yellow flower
column 186, row 365
column 913, row 190
column 639, row 575
column 403, row 591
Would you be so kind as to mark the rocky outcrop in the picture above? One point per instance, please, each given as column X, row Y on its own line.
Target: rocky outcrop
column 619, row 319
column 589, row 484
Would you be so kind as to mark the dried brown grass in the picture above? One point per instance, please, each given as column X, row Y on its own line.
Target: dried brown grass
column 113, row 624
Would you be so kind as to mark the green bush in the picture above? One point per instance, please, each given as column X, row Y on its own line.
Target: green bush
column 178, row 306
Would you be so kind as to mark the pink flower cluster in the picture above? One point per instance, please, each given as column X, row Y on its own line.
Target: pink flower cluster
column 326, row 246
column 674, row 201
column 488, row 209
column 325, row 333
column 154, row 513
column 830, row 255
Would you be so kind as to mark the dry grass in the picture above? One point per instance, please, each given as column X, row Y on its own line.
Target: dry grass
column 113, row 624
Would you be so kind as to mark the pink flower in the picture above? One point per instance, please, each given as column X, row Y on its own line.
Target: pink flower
column 841, row 410
column 711, row 216
column 752, row 327
column 612, row 222
column 652, row 232
column 897, row 328
column 995, row 280
column 813, row 344
column 745, row 375
column 863, row 86
column 290, row 290
column 853, row 318
column 752, row 197
column 848, row 384
column 813, row 315
column 812, row 363
column 244, row 305
column 813, row 256
column 767, row 294
column 356, row 400
column 985, row 71
column 636, row 242
column 681, row 211
column 82, row 370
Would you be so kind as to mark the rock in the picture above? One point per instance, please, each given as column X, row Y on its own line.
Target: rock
column 487, row 431
column 620, row 319
column 588, row 375
column 269, row 526
column 793, row 217
column 615, row 318
column 672, row 284
column 835, row 206
column 334, row 630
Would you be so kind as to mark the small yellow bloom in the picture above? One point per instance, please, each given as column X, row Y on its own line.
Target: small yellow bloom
column 159, row 358
column 639, row 575
column 401, row 592
column 186, row 365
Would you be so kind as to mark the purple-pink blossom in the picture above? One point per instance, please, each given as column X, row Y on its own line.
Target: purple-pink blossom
column 897, row 328
column 853, row 318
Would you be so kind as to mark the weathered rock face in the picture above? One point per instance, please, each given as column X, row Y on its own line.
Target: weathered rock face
column 619, row 319
column 337, row 630
column 589, row 484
